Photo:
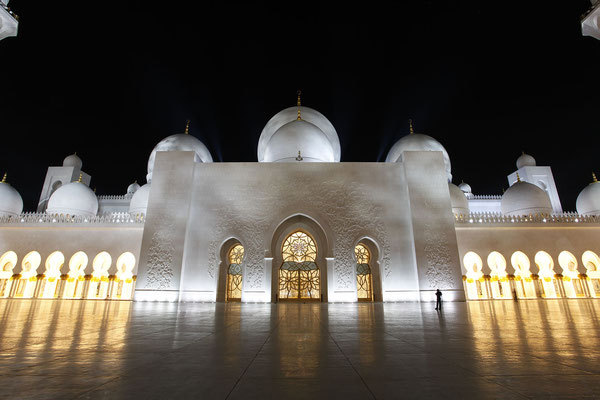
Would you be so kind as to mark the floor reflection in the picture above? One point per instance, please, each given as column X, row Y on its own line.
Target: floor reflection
column 370, row 350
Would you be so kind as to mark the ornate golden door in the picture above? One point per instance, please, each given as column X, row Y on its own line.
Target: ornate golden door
column 234, row 273
column 299, row 275
column 364, row 281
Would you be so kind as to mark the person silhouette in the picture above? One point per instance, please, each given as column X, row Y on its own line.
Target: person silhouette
column 438, row 302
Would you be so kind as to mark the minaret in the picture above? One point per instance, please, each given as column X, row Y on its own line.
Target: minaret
column 590, row 21
column 9, row 21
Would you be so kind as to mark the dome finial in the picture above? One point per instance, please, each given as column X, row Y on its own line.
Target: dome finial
column 80, row 176
column 594, row 179
column 4, row 178
column 299, row 158
column 299, row 103
column 187, row 127
column 410, row 126
column 518, row 178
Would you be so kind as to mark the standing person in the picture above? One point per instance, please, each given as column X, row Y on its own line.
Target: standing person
column 438, row 302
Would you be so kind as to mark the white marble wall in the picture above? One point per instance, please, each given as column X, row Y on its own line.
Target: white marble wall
column 433, row 228
column 208, row 204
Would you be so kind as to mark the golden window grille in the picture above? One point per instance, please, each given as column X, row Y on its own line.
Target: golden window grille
column 364, row 281
column 299, row 275
column 234, row 273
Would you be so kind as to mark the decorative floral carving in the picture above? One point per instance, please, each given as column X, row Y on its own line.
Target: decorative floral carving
column 355, row 217
column 160, row 255
column 439, row 271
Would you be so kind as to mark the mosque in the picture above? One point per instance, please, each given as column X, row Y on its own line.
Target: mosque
column 299, row 225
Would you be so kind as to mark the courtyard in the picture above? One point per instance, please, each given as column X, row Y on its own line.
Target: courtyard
column 68, row 349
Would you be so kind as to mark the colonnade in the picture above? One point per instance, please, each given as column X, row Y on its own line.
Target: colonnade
column 523, row 283
column 76, row 284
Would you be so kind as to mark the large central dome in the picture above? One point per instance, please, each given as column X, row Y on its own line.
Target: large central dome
column 285, row 135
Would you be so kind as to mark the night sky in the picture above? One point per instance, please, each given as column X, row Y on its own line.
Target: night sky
column 487, row 79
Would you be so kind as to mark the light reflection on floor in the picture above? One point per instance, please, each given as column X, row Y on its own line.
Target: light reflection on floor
column 503, row 349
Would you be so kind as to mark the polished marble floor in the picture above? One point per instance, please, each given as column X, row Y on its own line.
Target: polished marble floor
column 111, row 350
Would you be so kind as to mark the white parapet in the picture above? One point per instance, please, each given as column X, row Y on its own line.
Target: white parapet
column 9, row 21
column 590, row 22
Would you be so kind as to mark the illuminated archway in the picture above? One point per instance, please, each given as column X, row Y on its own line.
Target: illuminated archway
column 548, row 284
column 572, row 284
column 524, row 285
column 122, row 288
column 475, row 282
column 591, row 262
column 28, row 281
column 7, row 264
column 50, row 285
column 364, row 278
column 499, row 278
column 98, row 285
column 235, row 256
column 299, row 276
column 76, row 277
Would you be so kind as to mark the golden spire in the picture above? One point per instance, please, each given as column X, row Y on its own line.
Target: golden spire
column 593, row 177
column 80, row 176
column 518, row 178
column 299, row 104
column 187, row 127
column 410, row 126
column 299, row 158
column 4, row 178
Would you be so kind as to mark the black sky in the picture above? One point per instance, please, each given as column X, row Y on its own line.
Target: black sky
column 487, row 79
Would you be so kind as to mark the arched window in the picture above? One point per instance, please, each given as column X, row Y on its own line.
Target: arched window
column 234, row 273
column 299, row 276
column 364, row 281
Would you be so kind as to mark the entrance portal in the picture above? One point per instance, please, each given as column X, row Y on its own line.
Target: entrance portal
column 299, row 275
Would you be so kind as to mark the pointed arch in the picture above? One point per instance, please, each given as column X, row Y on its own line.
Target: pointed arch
column 311, row 227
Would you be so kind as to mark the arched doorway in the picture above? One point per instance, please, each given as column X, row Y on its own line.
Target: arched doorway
column 299, row 275
column 364, row 278
column 235, row 256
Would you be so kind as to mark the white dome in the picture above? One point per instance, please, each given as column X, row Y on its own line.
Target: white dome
column 419, row 142
column 73, row 161
column 11, row 203
column 308, row 115
column 588, row 201
column 460, row 204
column 524, row 198
column 299, row 136
column 179, row 142
column 133, row 188
column 139, row 201
column 74, row 198
column 525, row 160
column 465, row 187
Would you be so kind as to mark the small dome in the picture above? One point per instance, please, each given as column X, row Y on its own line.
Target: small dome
column 525, row 160
column 131, row 189
column 299, row 136
column 139, row 201
column 418, row 142
column 73, row 161
column 179, row 142
column 588, row 201
column 524, row 198
column 465, row 187
column 460, row 203
column 74, row 198
column 11, row 203
column 308, row 115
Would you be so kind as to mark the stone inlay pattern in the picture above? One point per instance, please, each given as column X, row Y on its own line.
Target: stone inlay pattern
column 98, row 350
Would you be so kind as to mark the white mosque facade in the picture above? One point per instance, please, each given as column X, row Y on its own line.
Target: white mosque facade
column 299, row 225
